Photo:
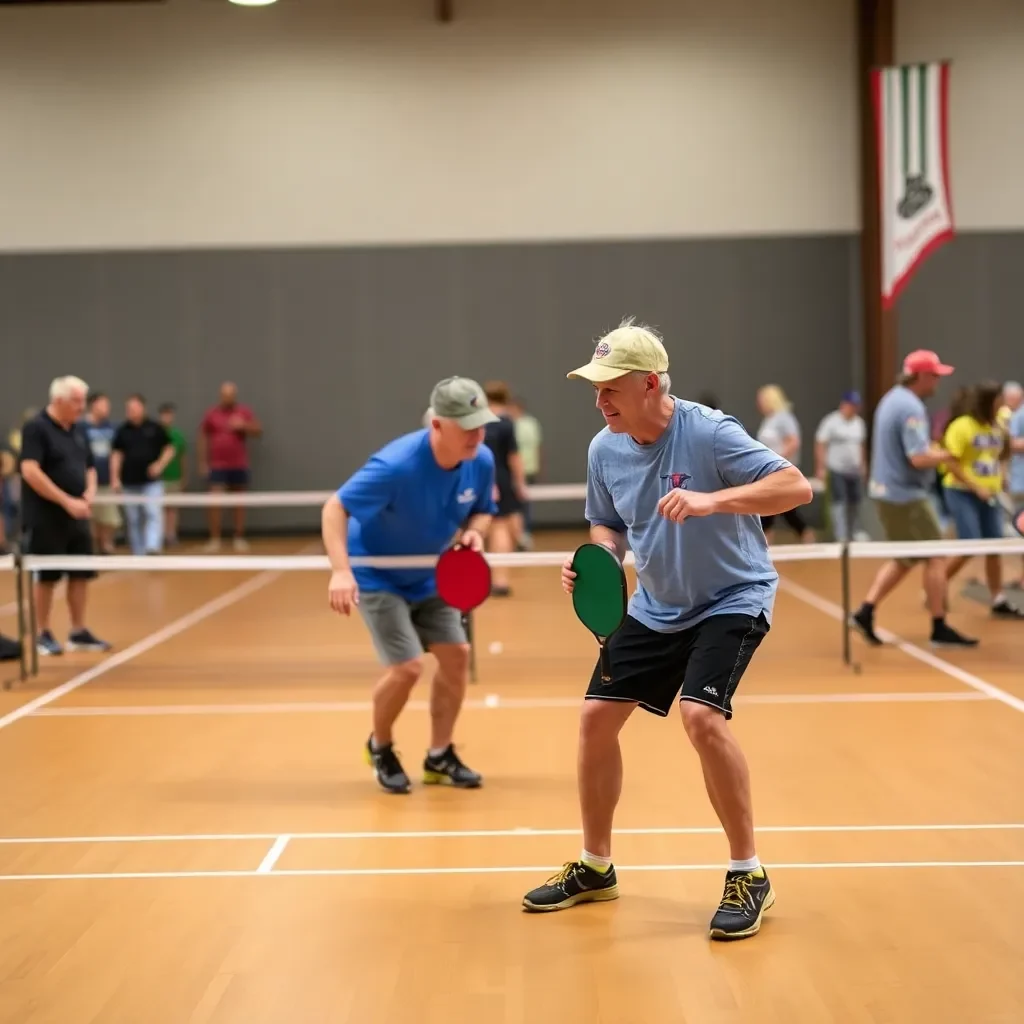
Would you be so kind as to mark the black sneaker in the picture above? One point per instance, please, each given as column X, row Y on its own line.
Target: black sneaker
column 388, row 769
column 575, row 883
column 748, row 894
column 1005, row 610
column 865, row 622
column 84, row 640
column 947, row 636
column 448, row 770
column 46, row 644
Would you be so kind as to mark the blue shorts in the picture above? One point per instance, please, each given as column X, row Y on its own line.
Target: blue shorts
column 975, row 519
column 229, row 477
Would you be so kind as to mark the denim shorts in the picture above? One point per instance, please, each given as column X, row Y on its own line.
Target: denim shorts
column 975, row 519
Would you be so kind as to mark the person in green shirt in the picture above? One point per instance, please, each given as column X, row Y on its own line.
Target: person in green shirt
column 528, row 439
column 175, row 474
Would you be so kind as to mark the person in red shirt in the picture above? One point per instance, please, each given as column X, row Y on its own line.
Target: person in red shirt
column 223, row 456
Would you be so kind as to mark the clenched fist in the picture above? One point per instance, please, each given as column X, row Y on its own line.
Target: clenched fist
column 678, row 505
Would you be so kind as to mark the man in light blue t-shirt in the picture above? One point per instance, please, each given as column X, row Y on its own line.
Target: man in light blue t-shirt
column 415, row 497
column 684, row 486
column 903, row 460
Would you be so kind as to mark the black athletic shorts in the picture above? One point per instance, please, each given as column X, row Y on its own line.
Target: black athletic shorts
column 705, row 663
column 60, row 536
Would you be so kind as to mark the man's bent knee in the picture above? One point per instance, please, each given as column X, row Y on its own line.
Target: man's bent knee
column 604, row 718
column 703, row 724
column 453, row 660
column 406, row 672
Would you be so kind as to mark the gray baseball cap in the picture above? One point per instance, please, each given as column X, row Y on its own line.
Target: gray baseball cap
column 462, row 400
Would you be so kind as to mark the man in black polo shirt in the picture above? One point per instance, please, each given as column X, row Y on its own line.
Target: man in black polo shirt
column 59, row 484
column 141, row 450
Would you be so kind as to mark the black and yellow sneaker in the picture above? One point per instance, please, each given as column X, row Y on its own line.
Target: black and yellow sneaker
column 388, row 769
column 575, row 883
column 748, row 894
column 448, row 770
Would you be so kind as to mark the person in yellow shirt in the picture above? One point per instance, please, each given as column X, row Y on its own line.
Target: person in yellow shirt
column 979, row 443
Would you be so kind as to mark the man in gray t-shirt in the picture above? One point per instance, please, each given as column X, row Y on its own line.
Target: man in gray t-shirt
column 902, row 460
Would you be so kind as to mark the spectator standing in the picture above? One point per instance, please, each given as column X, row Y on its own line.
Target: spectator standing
column 780, row 431
column 99, row 433
column 530, row 439
column 142, row 449
column 59, row 486
column 223, row 457
column 176, row 473
column 840, row 455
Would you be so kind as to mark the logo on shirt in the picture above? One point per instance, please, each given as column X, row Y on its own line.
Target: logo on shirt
column 602, row 350
column 466, row 496
column 676, row 480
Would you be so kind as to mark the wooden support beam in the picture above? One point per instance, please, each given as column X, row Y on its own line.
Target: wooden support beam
column 875, row 46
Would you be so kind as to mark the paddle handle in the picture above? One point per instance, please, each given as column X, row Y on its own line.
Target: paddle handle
column 606, row 672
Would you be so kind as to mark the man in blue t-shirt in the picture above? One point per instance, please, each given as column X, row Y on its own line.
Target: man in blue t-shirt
column 903, row 459
column 415, row 496
column 684, row 486
column 99, row 432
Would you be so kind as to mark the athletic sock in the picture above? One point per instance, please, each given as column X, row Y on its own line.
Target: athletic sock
column 599, row 864
column 938, row 623
column 378, row 747
column 436, row 752
column 753, row 865
column 867, row 610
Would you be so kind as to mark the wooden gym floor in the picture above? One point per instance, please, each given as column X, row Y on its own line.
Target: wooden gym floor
column 189, row 833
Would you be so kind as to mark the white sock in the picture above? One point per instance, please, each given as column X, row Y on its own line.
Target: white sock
column 1000, row 598
column 592, row 860
column 745, row 865
column 436, row 752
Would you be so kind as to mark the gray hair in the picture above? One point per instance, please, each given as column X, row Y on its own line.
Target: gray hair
column 65, row 387
column 664, row 380
column 1012, row 387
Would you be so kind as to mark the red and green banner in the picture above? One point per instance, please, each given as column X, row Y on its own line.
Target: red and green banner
column 912, row 121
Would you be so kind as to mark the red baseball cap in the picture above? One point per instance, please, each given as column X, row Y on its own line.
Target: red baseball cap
column 923, row 361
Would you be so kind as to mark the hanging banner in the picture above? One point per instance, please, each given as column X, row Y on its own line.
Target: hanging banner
column 912, row 121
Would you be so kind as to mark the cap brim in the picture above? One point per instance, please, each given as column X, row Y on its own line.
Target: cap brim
column 596, row 373
column 942, row 370
column 477, row 419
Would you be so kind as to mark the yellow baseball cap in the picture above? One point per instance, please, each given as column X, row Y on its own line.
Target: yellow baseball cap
column 627, row 349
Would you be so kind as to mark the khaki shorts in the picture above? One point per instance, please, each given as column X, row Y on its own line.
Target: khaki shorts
column 173, row 486
column 106, row 515
column 911, row 521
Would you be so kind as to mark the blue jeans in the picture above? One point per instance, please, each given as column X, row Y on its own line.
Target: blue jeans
column 145, row 522
column 975, row 519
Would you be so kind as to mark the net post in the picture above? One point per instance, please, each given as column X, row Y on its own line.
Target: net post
column 31, row 639
column 844, row 576
column 19, row 596
column 472, row 646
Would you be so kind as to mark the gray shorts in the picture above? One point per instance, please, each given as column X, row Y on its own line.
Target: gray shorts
column 403, row 630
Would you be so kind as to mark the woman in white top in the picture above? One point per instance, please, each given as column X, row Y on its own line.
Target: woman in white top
column 780, row 431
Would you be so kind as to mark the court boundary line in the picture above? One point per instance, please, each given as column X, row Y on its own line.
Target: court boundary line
column 834, row 611
column 522, row 832
column 147, row 643
column 542, row 869
column 491, row 702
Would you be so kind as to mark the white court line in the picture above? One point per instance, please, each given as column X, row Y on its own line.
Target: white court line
column 913, row 651
column 147, row 643
column 273, row 855
column 504, row 833
column 541, row 869
column 491, row 702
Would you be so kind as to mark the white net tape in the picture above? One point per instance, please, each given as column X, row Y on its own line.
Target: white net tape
column 524, row 560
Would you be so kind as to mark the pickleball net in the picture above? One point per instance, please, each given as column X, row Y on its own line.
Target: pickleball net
column 23, row 567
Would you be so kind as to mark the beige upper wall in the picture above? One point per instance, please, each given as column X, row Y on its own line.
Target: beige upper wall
column 201, row 123
column 985, row 41
column 313, row 122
